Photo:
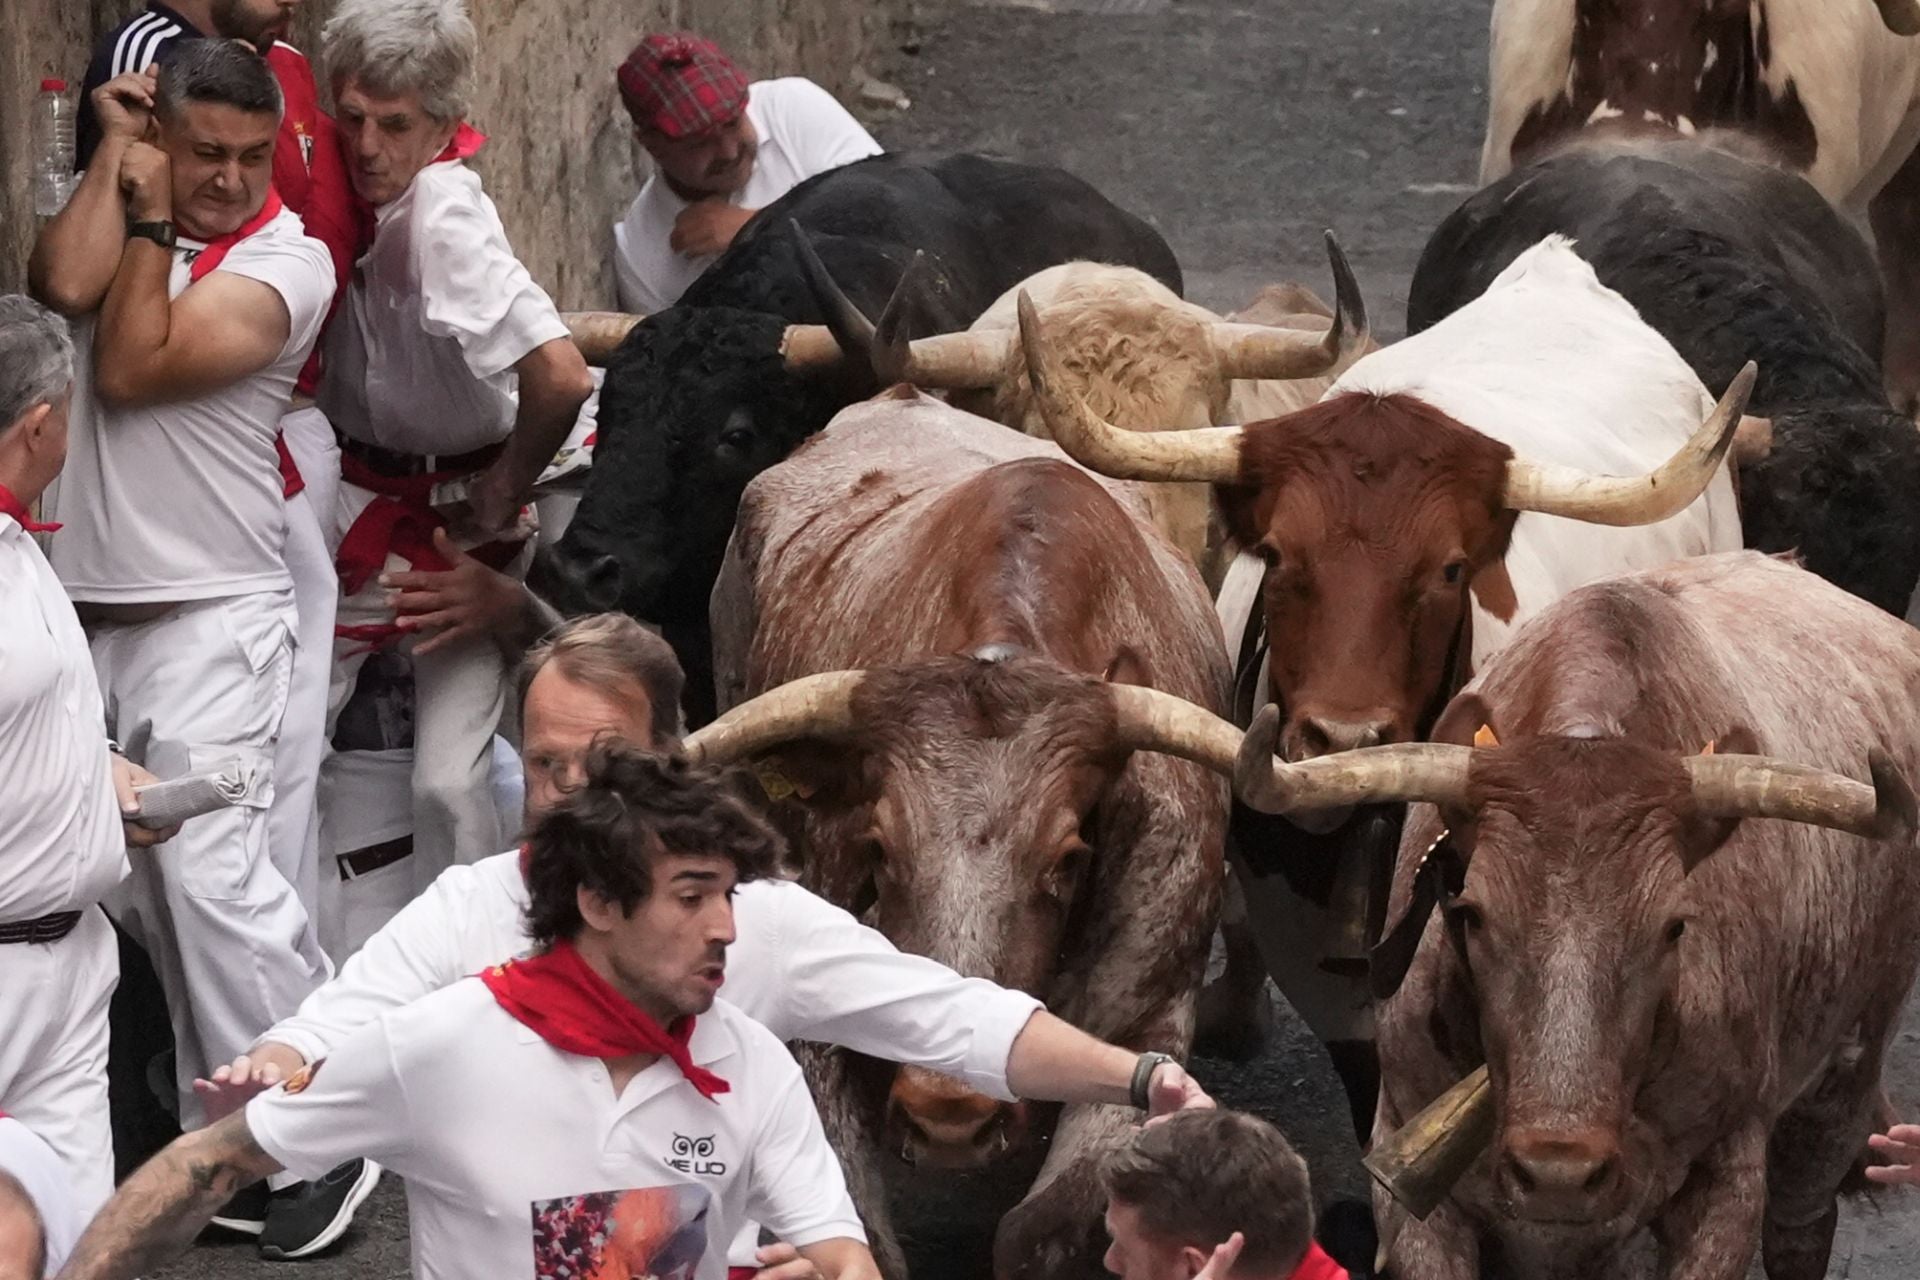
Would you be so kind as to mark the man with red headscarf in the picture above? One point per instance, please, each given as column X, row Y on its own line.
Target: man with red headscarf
column 722, row 149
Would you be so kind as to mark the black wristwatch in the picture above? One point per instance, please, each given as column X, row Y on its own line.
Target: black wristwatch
column 1150, row 1062
column 161, row 233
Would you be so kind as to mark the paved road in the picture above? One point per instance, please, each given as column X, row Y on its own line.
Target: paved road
column 1240, row 130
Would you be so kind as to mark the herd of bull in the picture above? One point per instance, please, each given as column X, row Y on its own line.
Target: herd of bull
column 1442, row 683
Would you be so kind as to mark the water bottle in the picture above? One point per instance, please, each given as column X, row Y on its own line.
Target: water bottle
column 53, row 176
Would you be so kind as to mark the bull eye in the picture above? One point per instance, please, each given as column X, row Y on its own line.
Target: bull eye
column 1454, row 571
column 1063, row 877
column 738, row 440
column 1675, row 930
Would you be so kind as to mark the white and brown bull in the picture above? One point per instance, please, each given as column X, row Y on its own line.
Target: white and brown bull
column 1664, row 914
column 1444, row 489
column 1827, row 88
column 985, row 677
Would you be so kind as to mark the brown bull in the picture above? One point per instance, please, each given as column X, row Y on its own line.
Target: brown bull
column 983, row 676
column 1682, row 969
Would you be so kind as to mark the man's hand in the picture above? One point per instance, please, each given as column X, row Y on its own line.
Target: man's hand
column 465, row 601
column 147, row 179
column 1171, row 1089
column 124, row 105
column 1902, row 1144
column 126, row 776
column 493, row 505
column 248, row 1075
column 781, row 1261
column 1223, row 1259
column 706, row 227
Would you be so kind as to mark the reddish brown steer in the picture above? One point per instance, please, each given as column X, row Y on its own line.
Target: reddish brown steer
column 1682, row 970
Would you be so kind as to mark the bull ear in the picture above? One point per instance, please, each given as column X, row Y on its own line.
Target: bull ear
column 1467, row 722
column 1126, row 666
column 1701, row 836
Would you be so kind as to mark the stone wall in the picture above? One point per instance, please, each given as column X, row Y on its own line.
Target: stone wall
column 561, row 164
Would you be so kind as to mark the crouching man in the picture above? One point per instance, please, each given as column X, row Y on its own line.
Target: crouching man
column 590, row 1109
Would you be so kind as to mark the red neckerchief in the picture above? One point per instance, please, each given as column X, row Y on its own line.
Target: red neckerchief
column 1317, row 1265
column 12, row 506
column 210, row 257
column 464, row 145
column 575, row 1010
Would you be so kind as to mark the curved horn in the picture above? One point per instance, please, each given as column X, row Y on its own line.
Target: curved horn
column 598, row 333
column 1901, row 16
column 1400, row 774
column 1735, row 786
column 851, row 330
column 1149, row 720
column 1264, row 351
column 949, row 361
column 812, row 706
column 1206, row 453
column 1629, row 500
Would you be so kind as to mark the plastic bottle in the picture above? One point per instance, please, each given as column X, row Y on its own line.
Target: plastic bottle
column 53, row 176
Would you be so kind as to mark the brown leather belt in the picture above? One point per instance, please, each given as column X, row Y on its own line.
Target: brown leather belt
column 366, row 861
column 46, row 929
column 392, row 463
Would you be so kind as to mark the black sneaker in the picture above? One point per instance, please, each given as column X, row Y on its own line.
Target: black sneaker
column 246, row 1213
column 304, row 1219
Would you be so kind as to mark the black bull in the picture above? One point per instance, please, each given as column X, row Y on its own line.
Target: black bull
column 698, row 400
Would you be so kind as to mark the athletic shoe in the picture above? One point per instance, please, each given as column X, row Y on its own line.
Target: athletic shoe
column 305, row 1219
column 246, row 1213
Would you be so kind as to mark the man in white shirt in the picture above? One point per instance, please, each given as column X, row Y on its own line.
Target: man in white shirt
column 447, row 366
column 588, row 1110
column 202, row 298
column 722, row 149
column 63, row 829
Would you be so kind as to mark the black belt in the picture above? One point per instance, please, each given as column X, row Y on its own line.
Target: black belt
column 392, row 463
column 370, row 859
column 46, row 929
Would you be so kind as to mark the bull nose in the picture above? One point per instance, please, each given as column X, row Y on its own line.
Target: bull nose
column 1564, row 1177
column 939, row 1122
column 1311, row 736
column 577, row 583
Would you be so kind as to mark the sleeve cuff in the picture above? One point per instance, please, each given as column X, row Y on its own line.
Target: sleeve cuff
column 305, row 1043
column 260, row 1125
column 836, row 1229
column 530, row 322
column 1001, row 1021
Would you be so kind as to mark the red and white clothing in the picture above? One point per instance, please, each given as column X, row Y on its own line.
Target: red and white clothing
column 61, row 850
column 802, row 130
column 521, row 1161
column 420, row 364
column 32, row 1163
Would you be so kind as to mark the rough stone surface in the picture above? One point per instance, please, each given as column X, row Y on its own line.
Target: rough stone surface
column 561, row 166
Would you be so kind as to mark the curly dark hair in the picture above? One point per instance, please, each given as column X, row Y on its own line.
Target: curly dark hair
column 632, row 808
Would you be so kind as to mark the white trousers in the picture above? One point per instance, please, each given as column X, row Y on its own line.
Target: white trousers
column 53, row 1048
column 234, row 948
column 294, row 821
column 459, row 696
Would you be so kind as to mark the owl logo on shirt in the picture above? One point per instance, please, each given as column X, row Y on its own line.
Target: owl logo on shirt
column 694, row 1155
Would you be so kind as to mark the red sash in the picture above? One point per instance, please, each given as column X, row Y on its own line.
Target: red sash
column 575, row 1010
column 12, row 506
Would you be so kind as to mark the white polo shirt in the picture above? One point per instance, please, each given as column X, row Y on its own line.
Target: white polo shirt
column 420, row 359
column 520, row 1161
column 35, row 1167
column 798, row 965
column 184, row 501
column 61, row 845
column 803, row 131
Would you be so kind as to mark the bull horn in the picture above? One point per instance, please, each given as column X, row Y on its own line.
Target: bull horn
column 1404, row 773
column 1631, row 500
column 1210, row 454
column 1266, row 351
column 1737, row 786
column 1419, row 1163
column 813, row 706
column 1901, row 16
column 1149, row 720
column 850, row 330
column 948, row 361
column 598, row 333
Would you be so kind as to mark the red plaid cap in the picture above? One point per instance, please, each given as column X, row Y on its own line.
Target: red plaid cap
column 681, row 84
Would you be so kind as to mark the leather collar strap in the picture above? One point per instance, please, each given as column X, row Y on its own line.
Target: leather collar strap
column 1437, row 880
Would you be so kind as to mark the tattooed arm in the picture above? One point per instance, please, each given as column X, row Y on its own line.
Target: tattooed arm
column 157, row 1212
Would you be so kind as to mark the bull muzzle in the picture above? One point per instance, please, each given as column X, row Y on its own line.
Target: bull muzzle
column 935, row 1121
column 575, row 582
column 1567, row 1176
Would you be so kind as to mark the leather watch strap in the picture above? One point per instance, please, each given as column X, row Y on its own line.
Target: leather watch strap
column 1150, row 1062
column 161, row 233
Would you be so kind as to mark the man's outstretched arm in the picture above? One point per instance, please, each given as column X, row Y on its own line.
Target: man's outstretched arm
column 157, row 1212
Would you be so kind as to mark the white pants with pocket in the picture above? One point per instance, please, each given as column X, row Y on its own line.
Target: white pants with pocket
column 234, row 948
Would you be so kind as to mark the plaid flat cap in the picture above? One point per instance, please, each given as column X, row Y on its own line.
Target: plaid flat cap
column 681, row 84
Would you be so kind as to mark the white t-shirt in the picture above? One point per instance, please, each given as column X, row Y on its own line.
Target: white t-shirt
column 184, row 501
column 421, row 357
column 802, row 132
column 61, row 846
column 520, row 1161
column 35, row 1167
